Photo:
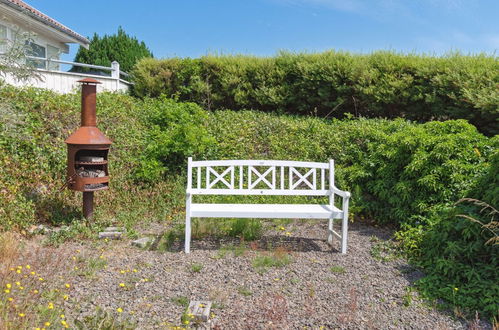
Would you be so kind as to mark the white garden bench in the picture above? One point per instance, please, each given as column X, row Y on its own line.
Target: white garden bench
column 265, row 177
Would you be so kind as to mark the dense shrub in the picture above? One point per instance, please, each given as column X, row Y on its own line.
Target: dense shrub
column 460, row 266
column 175, row 131
column 382, row 84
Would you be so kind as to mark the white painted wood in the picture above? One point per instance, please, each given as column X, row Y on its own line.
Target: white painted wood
column 265, row 211
column 228, row 162
column 306, row 185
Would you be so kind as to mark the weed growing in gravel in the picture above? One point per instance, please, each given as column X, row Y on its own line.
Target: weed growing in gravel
column 237, row 251
column 196, row 268
column 408, row 297
column 30, row 298
column 102, row 319
column 384, row 251
column 337, row 269
column 180, row 301
column 94, row 264
column 279, row 258
column 244, row 291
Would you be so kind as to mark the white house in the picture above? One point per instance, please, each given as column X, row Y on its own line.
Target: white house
column 50, row 39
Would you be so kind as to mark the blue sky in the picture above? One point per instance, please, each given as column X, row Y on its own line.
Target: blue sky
column 190, row 28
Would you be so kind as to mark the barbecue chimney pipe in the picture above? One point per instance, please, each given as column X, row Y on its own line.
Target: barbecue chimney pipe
column 88, row 102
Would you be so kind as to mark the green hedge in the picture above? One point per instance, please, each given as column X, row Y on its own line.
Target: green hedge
column 330, row 84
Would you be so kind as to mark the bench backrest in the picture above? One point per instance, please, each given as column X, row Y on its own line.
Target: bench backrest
column 259, row 177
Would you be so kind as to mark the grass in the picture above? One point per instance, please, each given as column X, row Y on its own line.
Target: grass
column 93, row 265
column 244, row 291
column 237, row 250
column 337, row 269
column 196, row 268
column 180, row 301
column 278, row 258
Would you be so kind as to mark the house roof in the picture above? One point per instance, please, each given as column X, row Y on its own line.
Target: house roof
column 41, row 17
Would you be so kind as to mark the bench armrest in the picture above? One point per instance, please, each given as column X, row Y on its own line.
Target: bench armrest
column 344, row 194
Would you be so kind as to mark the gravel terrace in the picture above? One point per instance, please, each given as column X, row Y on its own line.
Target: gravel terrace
column 319, row 288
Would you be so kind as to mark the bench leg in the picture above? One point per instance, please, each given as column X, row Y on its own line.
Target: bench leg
column 344, row 233
column 187, row 234
column 330, row 232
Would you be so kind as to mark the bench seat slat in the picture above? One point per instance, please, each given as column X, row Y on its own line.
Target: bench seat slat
column 282, row 211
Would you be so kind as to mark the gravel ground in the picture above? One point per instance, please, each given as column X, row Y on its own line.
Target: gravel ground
column 319, row 288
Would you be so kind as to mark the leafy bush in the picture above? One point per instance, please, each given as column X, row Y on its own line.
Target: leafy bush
column 460, row 267
column 382, row 84
column 175, row 132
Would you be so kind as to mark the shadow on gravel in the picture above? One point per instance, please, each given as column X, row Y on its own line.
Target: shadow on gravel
column 266, row 243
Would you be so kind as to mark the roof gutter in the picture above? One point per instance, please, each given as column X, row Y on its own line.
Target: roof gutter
column 78, row 38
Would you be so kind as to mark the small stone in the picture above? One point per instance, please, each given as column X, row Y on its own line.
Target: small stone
column 142, row 242
column 114, row 229
column 200, row 310
column 110, row 234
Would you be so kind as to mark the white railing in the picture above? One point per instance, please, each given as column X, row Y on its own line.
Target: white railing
column 51, row 76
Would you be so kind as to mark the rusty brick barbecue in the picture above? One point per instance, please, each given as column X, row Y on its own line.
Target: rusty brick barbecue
column 88, row 150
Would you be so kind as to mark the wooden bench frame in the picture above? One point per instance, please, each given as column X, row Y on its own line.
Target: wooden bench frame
column 277, row 178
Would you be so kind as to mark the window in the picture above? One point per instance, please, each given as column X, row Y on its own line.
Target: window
column 36, row 51
column 53, row 54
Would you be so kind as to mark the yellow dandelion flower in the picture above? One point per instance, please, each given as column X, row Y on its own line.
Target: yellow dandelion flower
column 78, row 251
column 8, row 285
column 33, row 273
column 119, row 310
column 21, row 288
column 456, row 289
column 67, row 285
column 18, row 271
column 47, row 324
column 65, row 297
column 11, row 268
column 51, row 305
column 101, row 257
column 19, row 267
column 18, row 283
column 64, row 324
column 201, row 305
column 212, row 315
column 122, row 285
column 22, row 314
column 10, row 299
column 38, row 329
column 35, row 291
column 6, row 291
column 122, row 271
column 282, row 228
column 288, row 233
column 63, row 316
column 134, row 270
column 40, row 278
column 56, row 290
column 28, row 267
column 74, row 258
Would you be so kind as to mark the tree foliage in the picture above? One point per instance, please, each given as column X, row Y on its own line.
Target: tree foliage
column 120, row 47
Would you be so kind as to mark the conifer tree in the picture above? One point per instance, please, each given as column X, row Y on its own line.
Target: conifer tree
column 119, row 47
